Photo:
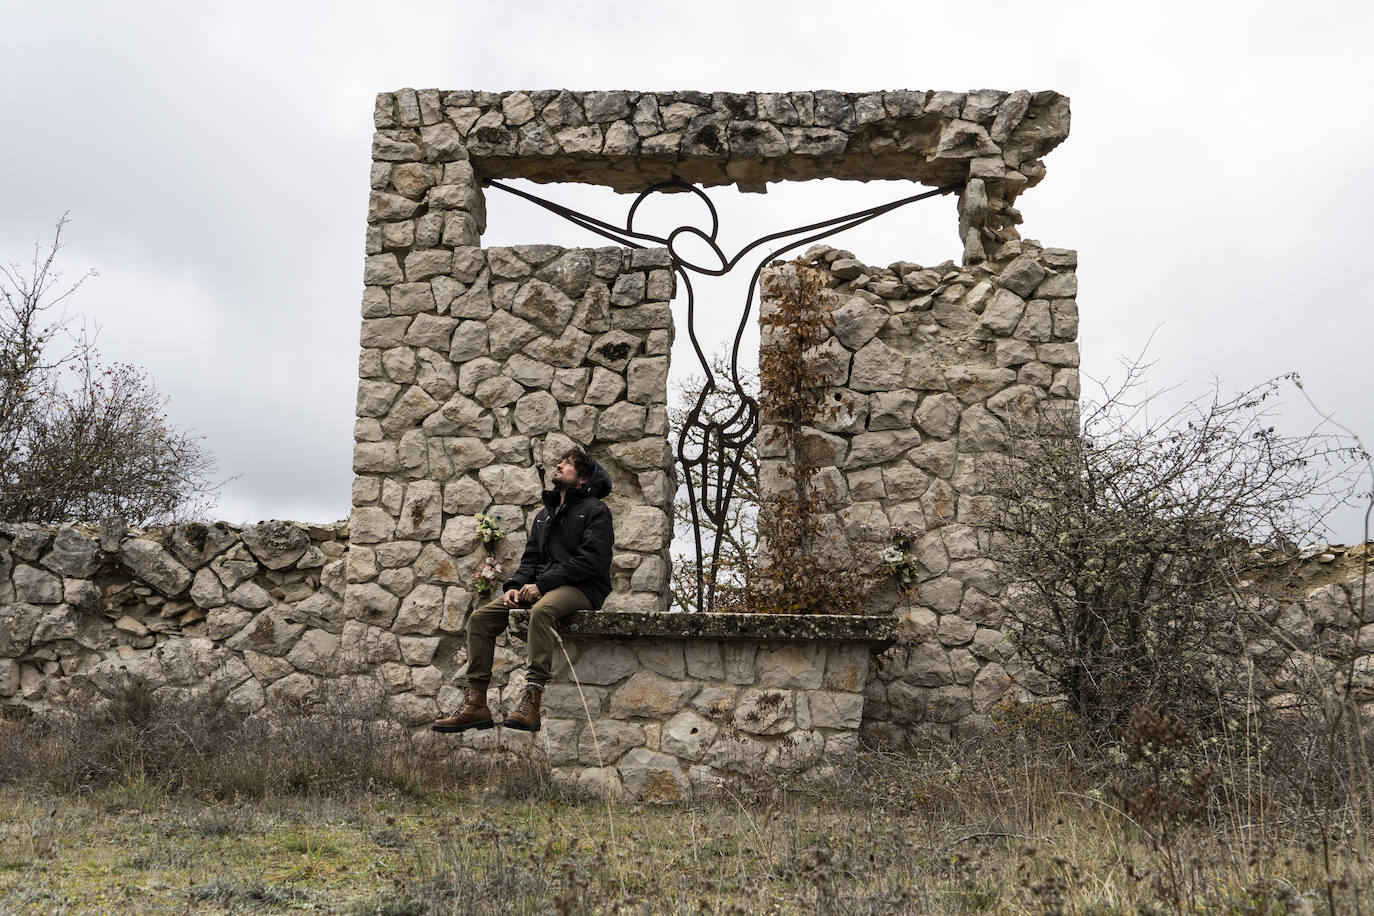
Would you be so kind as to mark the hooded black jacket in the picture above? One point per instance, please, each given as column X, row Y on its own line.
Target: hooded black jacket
column 571, row 544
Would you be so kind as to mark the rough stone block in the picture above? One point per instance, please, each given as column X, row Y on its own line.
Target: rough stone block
column 653, row 777
column 662, row 657
column 605, row 741
column 152, row 564
column 650, row 695
column 790, row 665
column 605, row 663
column 764, row 711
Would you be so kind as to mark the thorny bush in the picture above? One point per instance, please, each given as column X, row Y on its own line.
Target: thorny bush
column 1125, row 541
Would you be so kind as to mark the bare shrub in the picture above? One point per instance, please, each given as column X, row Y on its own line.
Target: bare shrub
column 82, row 439
column 1126, row 540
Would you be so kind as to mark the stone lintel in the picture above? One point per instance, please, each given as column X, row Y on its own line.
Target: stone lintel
column 631, row 140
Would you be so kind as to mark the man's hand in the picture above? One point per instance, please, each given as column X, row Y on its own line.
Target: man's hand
column 530, row 593
column 511, row 597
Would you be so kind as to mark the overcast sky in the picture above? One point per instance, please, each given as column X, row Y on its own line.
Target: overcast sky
column 214, row 161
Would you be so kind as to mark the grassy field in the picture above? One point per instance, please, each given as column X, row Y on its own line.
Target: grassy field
column 125, row 816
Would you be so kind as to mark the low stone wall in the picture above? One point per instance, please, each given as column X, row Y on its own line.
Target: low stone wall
column 663, row 707
column 246, row 613
column 949, row 670
column 256, row 615
column 677, row 702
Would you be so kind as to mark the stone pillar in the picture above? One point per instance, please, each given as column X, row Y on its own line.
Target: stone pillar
column 932, row 371
column 478, row 368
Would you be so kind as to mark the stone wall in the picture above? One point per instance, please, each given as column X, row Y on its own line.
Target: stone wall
column 665, row 707
column 931, row 371
column 479, row 368
column 678, row 702
column 256, row 617
column 628, row 140
column 478, row 365
column 245, row 613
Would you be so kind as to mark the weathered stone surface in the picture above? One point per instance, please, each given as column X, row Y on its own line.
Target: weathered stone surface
column 830, row 362
column 646, row 380
column 36, row 586
column 370, row 525
column 875, row 448
column 1016, row 405
column 603, row 743
column 507, row 333
column 663, row 658
column 206, row 590
column 980, row 431
column 511, row 484
column 362, row 646
column 605, row 387
column 250, row 595
column 830, row 709
column 370, row 603
column 938, row 415
column 688, row 736
column 57, row 623
column 1022, row 275
column 73, row 554
column 155, row 566
column 545, row 306
column 857, row 322
column 498, row 392
column 537, row 413
column 316, row 652
column 420, row 611
column 223, row 622
column 1003, row 313
column 891, row 409
column 764, row 711
column 990, row 685
column 796, row 665
column 877, row 367
column 269, row 633
column 275, row 544
column 928, row 666
column 653, row 777
column 321, row 610
column 605, row 663
column 645, row 528
column 846, row 666
column 642, row 454
column 649, row 694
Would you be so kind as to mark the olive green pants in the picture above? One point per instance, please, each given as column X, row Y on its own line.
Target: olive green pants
column 492, row 618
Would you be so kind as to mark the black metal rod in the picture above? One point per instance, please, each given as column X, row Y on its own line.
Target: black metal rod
column 715, row 465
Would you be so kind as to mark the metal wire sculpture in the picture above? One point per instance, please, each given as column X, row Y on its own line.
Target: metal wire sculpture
column 708, row 449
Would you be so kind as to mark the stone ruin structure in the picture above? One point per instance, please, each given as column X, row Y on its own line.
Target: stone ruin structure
column 479, row 365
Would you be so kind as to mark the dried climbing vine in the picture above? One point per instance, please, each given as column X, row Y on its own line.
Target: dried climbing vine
column 794, row 395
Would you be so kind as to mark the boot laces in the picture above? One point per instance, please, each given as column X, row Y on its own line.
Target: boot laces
column 526, row 702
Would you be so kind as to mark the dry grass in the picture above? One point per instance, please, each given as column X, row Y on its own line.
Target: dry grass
column 171, row 813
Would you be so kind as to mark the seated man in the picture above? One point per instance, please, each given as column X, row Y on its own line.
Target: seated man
column 566, row 567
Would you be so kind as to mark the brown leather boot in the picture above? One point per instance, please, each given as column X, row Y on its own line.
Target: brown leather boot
column 474, row 714
column 526, row 715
